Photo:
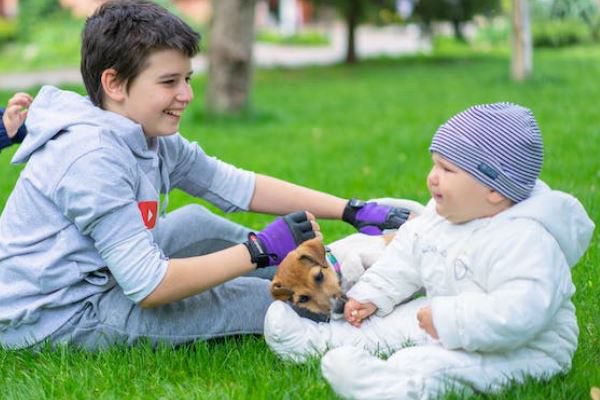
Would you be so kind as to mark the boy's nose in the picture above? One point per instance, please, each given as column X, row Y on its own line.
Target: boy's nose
column 185, row 93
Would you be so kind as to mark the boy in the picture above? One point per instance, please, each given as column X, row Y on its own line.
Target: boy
column 84, row 258
column 12, row 129
column 493, row 260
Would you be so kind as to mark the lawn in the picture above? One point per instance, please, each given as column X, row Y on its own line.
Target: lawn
column 354, row 131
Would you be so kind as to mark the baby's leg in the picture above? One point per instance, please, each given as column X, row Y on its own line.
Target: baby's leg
column 429, row 371
column 295, row 338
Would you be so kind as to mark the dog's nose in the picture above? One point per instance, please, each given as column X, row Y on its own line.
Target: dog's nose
column 338, row 305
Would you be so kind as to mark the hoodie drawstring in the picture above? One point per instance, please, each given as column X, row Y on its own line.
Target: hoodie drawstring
column 166, row 184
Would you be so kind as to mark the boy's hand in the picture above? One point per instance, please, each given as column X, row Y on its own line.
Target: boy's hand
column 355, row 312
column 372, row 218
column 425, row 318
column 15, row 113
column 280, row 237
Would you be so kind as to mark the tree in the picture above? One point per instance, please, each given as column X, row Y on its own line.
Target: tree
column 230, row 56
column 354, row 12
column 522, row 57
column 455, row 11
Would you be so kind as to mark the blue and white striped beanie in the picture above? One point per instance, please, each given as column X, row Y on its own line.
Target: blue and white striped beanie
column 499, row 144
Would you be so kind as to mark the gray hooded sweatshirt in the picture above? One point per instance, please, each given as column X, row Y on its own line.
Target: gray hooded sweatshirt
column 81, row 216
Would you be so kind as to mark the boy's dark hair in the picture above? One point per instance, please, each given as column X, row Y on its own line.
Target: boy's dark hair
column 122, row 34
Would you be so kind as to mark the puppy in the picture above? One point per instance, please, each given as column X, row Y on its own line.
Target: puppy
column 314, row 278
column 595, row 393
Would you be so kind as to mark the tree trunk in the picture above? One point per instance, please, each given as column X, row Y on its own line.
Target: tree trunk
column 230, row 56
column 352, row 16
column 458, row 31
column 522, row 57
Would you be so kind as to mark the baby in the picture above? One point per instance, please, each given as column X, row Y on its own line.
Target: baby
column 493, row 251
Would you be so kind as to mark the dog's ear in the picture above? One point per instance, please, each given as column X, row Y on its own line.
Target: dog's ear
column 281, row 293
column 313, row 253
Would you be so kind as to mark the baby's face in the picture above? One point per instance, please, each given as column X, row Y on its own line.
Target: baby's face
column 458, row 196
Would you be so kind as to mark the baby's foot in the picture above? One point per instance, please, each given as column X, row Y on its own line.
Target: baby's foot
column 290, row 336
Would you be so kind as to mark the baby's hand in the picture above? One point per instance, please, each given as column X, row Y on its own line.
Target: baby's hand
column 15, row 113
column 425, row 318
column 355, row 312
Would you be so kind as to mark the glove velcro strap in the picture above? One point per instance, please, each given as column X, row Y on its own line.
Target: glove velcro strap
column 396, row 218
column 351, row 209
column 257, row 255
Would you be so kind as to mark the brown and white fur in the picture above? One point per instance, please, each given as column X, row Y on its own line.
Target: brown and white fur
column 306, row 279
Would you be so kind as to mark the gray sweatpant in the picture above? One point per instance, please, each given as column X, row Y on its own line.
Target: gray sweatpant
column 236, row 307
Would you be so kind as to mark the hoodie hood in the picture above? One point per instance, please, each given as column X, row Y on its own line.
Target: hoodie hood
column 54, row 112
column 561, row 214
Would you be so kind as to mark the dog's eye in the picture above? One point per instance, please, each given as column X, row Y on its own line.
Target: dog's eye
column 303, row 299
column 319, row 277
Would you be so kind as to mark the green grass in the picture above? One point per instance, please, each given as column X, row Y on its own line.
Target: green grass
column 306, row 38
column 355, row 131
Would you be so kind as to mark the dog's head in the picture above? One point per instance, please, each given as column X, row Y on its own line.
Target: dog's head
column 305, row 279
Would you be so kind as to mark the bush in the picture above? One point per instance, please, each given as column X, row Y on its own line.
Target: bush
column 33, row 12
column 559, row 33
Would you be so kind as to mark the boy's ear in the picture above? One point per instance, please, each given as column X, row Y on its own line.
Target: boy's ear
column 114, row 89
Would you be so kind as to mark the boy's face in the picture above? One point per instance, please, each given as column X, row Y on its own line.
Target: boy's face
column 458, row 196
column 158, row 96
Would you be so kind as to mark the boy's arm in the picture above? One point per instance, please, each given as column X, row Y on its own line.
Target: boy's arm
column 232, row 189
column 189, row 276
column 527, row 283
column 277, row 197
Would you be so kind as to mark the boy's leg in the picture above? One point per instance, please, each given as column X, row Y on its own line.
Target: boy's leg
column 429, row 371
column 234, row 308
column 295, row 338
column 193, row 230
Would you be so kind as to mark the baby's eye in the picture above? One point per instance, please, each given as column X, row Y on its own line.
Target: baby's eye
column 303, row 299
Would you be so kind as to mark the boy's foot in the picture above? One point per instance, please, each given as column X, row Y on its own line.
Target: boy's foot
column 290, row 336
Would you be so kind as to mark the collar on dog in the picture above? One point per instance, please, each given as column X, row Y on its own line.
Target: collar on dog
column 333, row 262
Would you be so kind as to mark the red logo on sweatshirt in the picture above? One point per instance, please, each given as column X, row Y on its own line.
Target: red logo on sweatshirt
column 149, row 210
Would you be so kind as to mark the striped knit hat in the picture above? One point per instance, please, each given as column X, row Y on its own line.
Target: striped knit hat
column 499, row 144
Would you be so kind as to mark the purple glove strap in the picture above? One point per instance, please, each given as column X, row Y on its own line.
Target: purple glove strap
column 277, row 240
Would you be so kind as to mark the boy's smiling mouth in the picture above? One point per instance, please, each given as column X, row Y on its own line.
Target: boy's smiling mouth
column 174, row 113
